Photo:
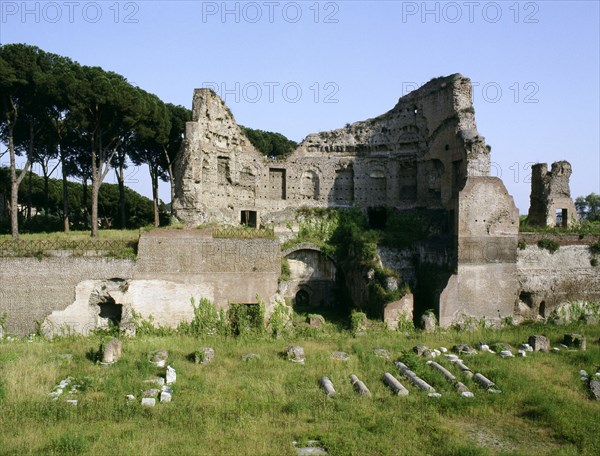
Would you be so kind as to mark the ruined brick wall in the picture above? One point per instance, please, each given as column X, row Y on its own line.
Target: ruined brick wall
column 547, row 280
column 550, row 199
column 418, row 154
column 172, row 267
column 30, row 289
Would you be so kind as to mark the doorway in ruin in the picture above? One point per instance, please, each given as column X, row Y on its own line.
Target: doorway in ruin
column 248, row 218
column 562, row 217
column 312, row 286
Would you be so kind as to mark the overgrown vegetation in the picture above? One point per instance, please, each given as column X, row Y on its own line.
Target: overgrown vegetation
column 581, row 228
column 231, row 406
column 549, row 244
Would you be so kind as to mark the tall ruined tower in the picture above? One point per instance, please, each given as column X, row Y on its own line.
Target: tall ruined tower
column 550, row 200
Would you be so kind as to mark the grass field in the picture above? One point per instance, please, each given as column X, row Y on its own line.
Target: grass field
column 232, row 407
column 112, row 235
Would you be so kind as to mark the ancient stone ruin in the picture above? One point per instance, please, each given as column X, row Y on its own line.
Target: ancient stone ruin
column 423, row 156
column 551, row 203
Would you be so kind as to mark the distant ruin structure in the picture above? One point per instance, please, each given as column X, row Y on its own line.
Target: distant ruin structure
column 550, row 201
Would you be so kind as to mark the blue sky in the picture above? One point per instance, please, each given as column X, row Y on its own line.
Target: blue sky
column 302, row 67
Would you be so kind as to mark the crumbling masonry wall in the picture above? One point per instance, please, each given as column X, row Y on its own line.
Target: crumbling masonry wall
column 418, row 154
column 550, row 200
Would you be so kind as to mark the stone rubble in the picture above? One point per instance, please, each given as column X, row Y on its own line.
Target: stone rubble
column 382, row 353
column 595, row 388
column 159, row 358
column 205, row 355
column 394, row 384
column 148, row 401
column 327, row 386
column 464, row 349
column 360, row 387
column 295, row 354
column 414, row 378
column 313, row 448
column 170, row 376
column 539, row 343
column 340, row 356
column 112, row 351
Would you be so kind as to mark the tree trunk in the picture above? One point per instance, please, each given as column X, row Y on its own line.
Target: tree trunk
column 120, row 172
column 46, row 190
column 14, row 188
column 95, row 191
column 171, row 181
column 29, row 202
column 65, row 191
column 154, row 178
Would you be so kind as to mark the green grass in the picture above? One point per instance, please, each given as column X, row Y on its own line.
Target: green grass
column 106, row 235
column 260, row 407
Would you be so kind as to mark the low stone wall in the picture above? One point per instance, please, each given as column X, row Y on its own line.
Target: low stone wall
column 77, row 294
column 548, row 279
column 30, row 289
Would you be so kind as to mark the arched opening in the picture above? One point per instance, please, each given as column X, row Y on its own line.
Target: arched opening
column 302, row 301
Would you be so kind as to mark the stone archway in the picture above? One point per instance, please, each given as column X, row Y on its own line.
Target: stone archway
column 313, row 277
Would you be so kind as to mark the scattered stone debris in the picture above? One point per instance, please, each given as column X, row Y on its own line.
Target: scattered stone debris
column 159, row 358
column 486, row 383
column 130, row 397
column 482, row 346
column 360, row 387
column 156, row 380
column 312, row 448
column 575, row 340
column 467, row 394
column 340, row 356
column 501, row 346
column 111, row 351
column 394, row 384
column 522, row 353
column 205, row 355
column 526, row 347
column 464, row 349
column 434, row 395
column 414, row 378
column 555, row 350
column 152, row 392
column 315, row 320
column 170, row 376
column 148, row 401
column 507, row 354
column 539, row 343
column 429, row 322
column 250, row 357
column 422, row 350
column 583, row 373
column 450, row 378
column 65, row 387
column 463, row 368
column 295, row 354
column 382, row 353
column 327, row 386
column 443, row 350
column 72, row 402
column 166, row 394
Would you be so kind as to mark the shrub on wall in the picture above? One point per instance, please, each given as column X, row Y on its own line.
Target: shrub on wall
column 548, row 244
